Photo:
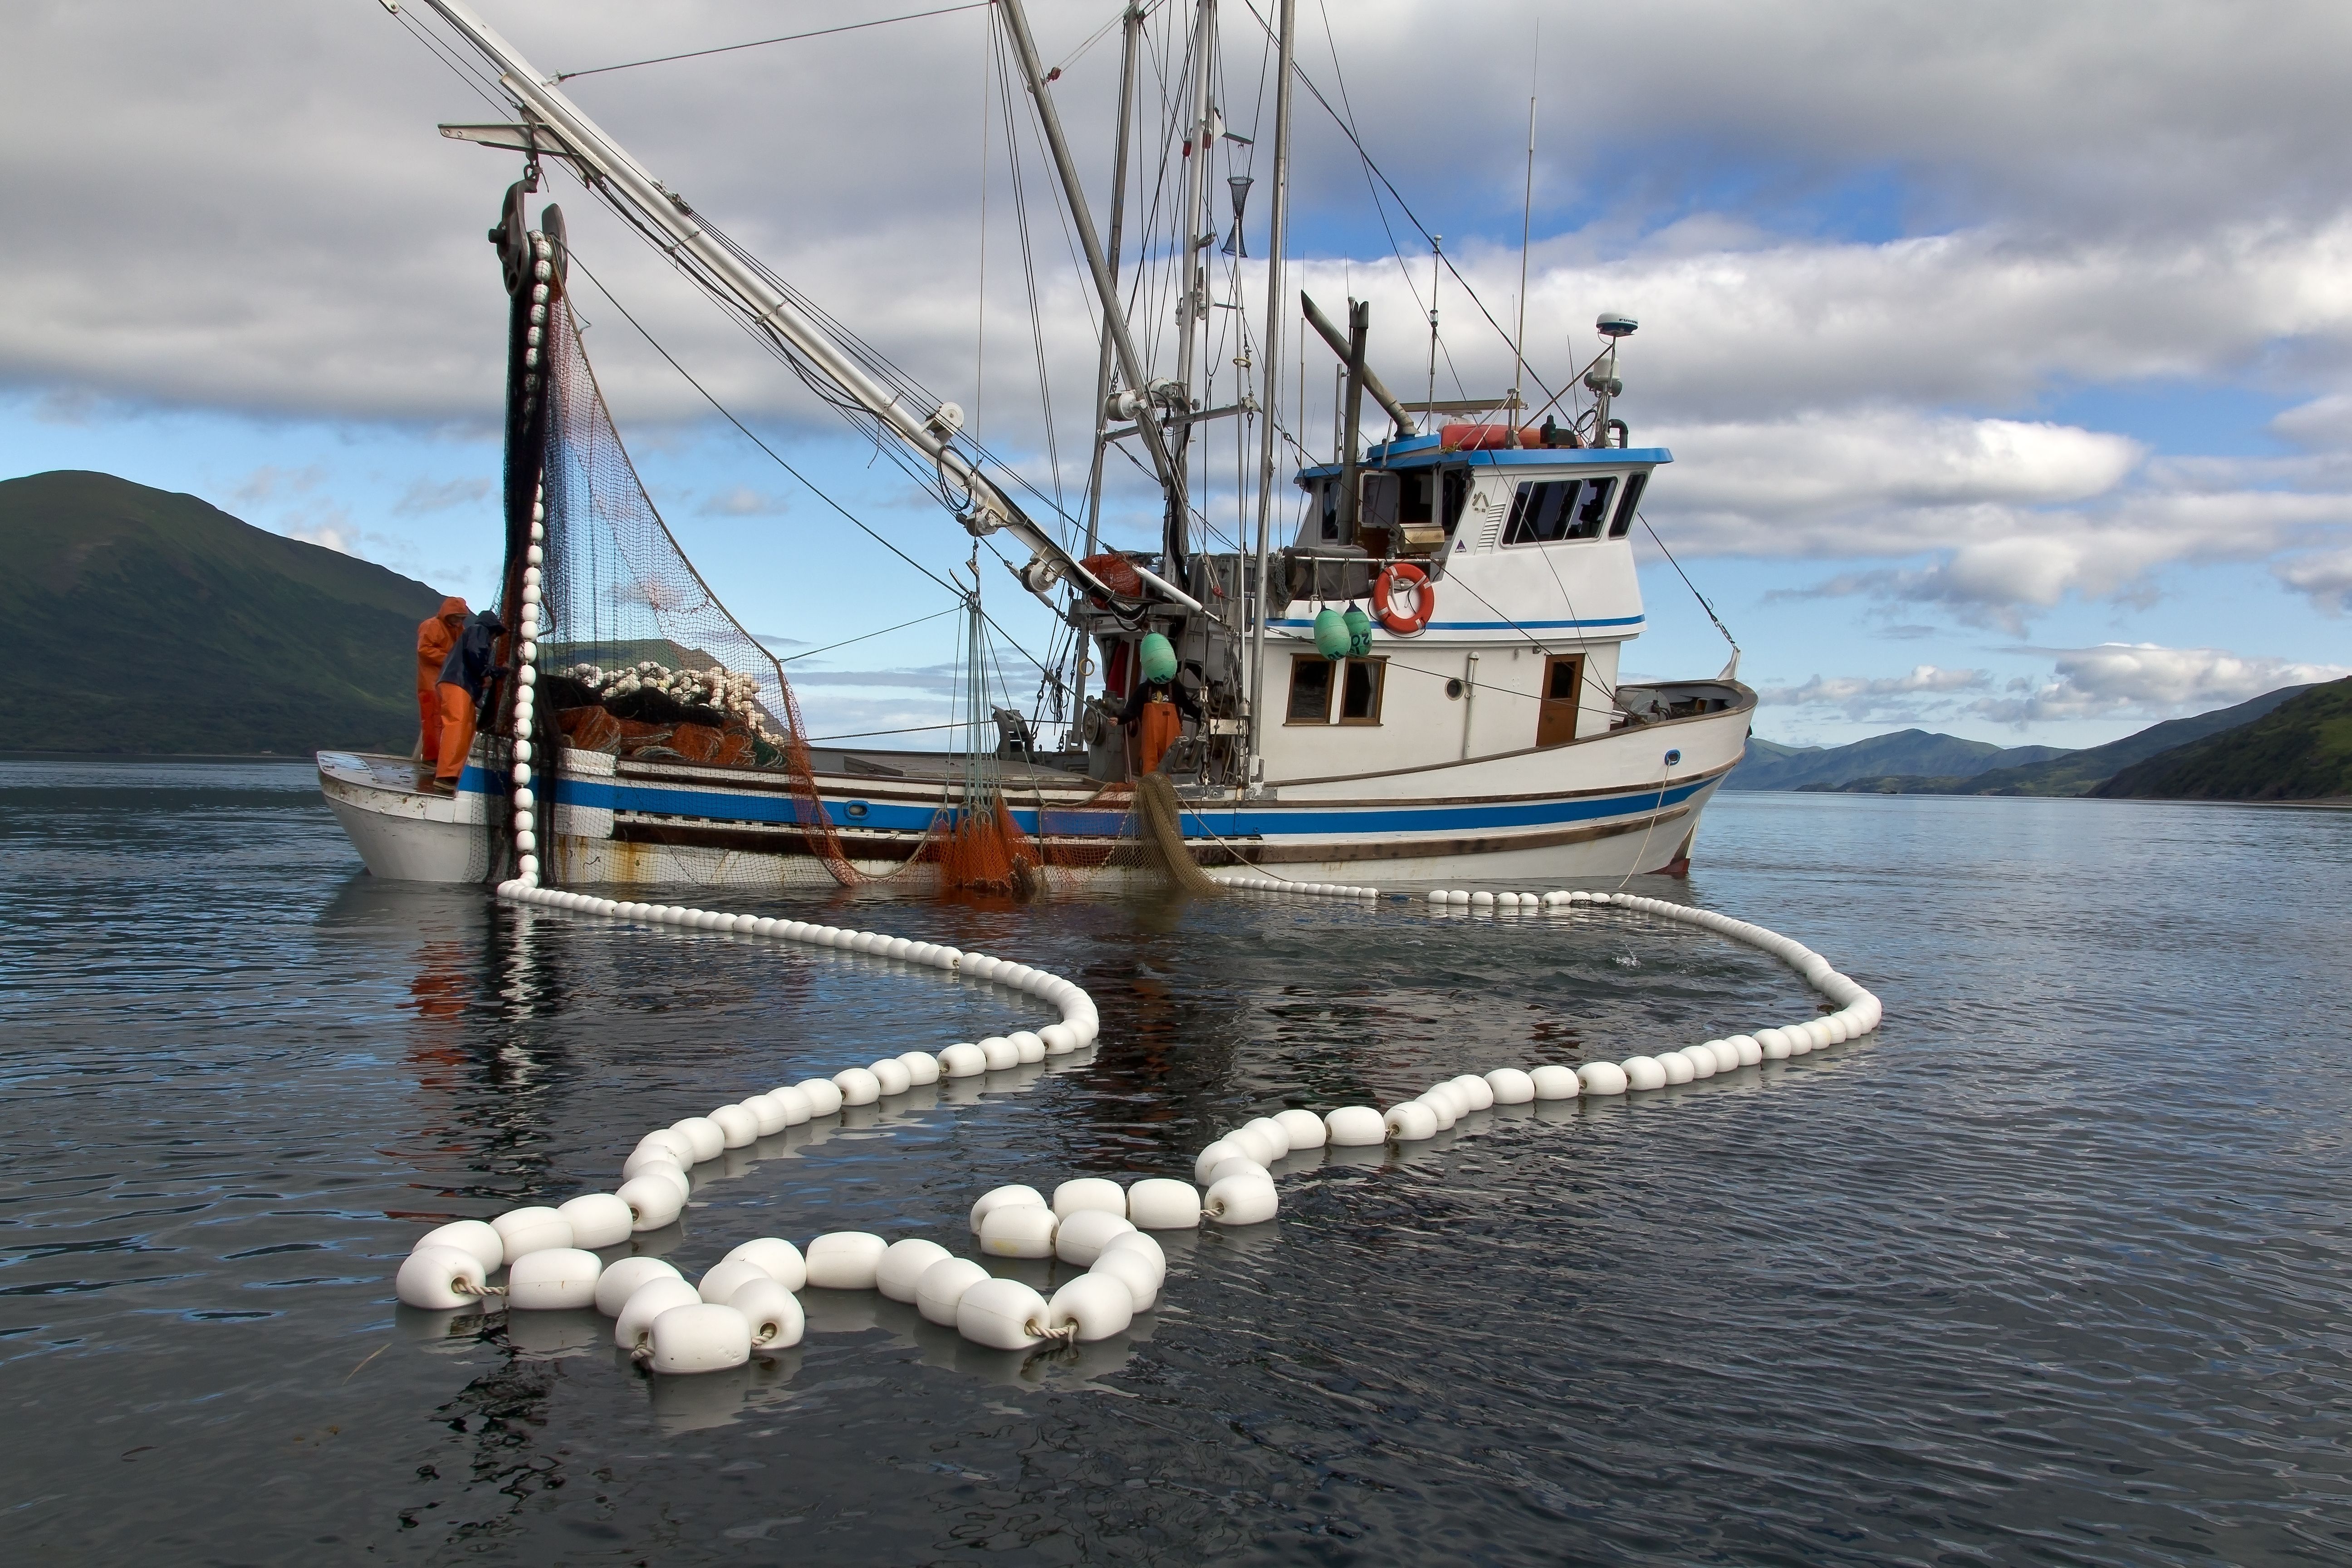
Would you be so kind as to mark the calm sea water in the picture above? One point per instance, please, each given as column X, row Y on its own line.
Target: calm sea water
column 2054, row 1271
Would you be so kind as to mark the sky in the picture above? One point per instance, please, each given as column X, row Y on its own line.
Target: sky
column 2005, row 352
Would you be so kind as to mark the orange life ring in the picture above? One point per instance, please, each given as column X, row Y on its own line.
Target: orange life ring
column 1405, row 574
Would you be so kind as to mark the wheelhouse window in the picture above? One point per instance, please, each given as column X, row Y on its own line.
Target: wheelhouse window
column 1631, row 504
column 1547, row 511
column 1360, row 690
column 1359, row 684
column 1310, row 689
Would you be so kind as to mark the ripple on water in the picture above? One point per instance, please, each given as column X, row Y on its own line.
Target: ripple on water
column 2050, row 1268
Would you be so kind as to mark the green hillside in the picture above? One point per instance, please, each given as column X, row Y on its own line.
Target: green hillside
column 2076, row 772
column 135, row 620
column 2300, row 750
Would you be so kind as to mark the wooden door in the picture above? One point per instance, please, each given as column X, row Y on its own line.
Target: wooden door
column 1563, row 682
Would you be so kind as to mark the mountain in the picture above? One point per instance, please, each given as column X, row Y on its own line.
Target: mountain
column 1770, row 766
column 2079, row 773
column 2301, row 750
column 135, row 620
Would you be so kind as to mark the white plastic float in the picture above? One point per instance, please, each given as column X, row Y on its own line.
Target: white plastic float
column 747, row 1300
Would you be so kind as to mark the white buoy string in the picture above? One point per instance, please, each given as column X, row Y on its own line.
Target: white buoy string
column 1237, row 1193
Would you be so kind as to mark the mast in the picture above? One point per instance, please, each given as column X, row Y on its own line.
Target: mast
column 604, row 163
column 1130, row 362
column 1278, row 219
column 1127, row 66
column 1192, row 304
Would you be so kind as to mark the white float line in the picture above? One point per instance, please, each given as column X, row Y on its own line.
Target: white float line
column 1252, row 884
column 746, row 1301
column 1246, row 1154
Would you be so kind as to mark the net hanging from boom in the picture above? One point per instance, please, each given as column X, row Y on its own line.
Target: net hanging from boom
column 640, row 658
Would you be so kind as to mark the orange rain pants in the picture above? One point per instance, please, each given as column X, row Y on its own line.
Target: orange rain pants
column 1159, row 726
column 456, row 731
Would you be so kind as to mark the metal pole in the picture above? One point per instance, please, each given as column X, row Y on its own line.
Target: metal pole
column 1279, row 219
column 1360, row 326
column 1191, row 307
column 1130, row 362
column 1436, row 251
column 1128, row 66
column 1519, row 339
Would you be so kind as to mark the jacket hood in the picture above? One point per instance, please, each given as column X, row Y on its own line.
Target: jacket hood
column 452, row 605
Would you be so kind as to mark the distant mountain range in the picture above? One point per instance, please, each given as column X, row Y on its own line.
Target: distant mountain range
column 1770, row 766
column 135, row 620
column 2233, row 754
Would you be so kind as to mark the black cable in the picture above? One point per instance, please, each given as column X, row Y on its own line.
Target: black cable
column 574, row 257
column 1402, row 206
column 761, row 43
column 863, row 636
column 1688, row 583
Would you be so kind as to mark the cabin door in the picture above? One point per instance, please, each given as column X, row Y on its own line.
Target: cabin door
column 1563, row 680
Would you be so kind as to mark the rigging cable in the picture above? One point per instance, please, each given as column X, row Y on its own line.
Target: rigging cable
column 728, row 414
column 761, row 43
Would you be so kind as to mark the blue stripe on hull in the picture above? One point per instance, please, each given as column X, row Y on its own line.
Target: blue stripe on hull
column 1222, row 821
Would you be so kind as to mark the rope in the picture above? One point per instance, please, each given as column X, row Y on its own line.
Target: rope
column 1155, row 799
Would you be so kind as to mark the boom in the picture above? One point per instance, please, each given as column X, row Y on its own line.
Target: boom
column 929, row 431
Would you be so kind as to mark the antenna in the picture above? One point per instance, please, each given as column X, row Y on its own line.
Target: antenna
column 1436, row 253
column 1526, row 221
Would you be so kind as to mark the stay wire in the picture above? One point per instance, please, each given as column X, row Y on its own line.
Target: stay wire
column 1402, row 206
column 762, row 43
column 1688, row 583
column 749, row 435
column 863, row 637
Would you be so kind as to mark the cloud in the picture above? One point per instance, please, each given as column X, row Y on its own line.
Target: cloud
column 334, row 531
column 271, row 483
column 423, row 496
column 740, row 502
column 2150, row 681
column 2325, row 579
column 1862, row 697
column 1915, row 226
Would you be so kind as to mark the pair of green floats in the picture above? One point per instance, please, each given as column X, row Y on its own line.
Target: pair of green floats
column 1336, row 636
column 1339, row 636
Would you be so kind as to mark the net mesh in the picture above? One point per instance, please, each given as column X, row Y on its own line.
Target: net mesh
column 647, row 661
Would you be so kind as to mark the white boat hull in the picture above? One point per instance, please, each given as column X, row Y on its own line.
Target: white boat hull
column 1576, row 812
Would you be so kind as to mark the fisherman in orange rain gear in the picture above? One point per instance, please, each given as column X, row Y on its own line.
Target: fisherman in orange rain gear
column 1156, row 710
column 434, row 636
column 465, row 676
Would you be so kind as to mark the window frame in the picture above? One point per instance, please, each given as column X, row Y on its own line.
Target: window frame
column 1290, row 704
column 1378, row 665
column 1629, row 502
column 1523, row 492
column 1335, row 692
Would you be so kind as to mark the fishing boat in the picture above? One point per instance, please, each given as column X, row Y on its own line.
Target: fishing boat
column 1411, row 673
